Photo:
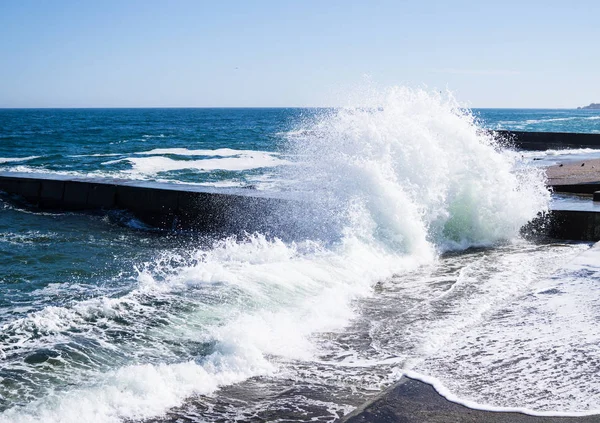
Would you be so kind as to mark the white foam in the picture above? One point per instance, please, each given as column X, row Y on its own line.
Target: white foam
column 522, row 124
column 94, row 174
column 450, row 396
column 222, row 152
column 288, row 293
column 223, row 184
column 17, row 159
column 98, row 155
column 29, row 237
column 523, row 337
column 137, row 392
column 563, row 152
column 551, row 157
column 261, row 182
column 157, row 164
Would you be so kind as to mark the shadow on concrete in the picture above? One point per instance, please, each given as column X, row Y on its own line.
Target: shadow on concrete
column 413, row 401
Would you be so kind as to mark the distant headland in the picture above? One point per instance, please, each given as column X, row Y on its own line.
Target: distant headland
column 591, row 106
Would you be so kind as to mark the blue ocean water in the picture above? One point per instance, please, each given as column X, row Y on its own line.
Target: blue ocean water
column 229, row 147
column 101, row 321
column 100, row 141
column 541, row 120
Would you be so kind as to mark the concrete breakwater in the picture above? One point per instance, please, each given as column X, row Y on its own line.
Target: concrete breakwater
column 161, row 205
column 549, row 140
column 576, row 225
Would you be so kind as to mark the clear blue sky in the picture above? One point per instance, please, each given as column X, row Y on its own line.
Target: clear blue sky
column 500, row 53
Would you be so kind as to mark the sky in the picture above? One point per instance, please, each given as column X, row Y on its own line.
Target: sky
column 127, row 53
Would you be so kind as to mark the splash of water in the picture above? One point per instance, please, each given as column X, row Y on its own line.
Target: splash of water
column 404, row 175
column 412, row 169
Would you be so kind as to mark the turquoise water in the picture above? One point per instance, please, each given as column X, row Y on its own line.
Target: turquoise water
column 100, row 321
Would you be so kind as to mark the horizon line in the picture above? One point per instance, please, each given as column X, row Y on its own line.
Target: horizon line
column 248, row 107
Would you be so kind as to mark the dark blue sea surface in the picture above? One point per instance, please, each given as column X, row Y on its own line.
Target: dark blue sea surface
column 101, row 141
column 228, row 147
column 541, row 120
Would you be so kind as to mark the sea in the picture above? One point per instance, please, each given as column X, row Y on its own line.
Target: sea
column 418, row 269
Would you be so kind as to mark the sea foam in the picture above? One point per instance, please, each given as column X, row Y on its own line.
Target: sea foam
column 156, row 164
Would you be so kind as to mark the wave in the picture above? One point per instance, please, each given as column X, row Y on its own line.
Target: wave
column 98, row 155
column 417, row 171
column 268, row 298
column 157, row 164
column 544, row 120
column 222, row 152
column 552, row 157
column 395, row 180
column 526, row 123
column 30, row 237
column 263, row 181
column 17, row 159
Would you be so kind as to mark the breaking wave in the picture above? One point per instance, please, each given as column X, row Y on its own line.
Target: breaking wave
column 401, row 176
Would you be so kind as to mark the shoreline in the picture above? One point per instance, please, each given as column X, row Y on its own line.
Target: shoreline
column 413, row 401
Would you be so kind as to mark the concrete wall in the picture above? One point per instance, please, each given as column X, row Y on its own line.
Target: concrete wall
column 169, row 206
column 211, row 210
column 549, row 140
column 576, row 225
column 583, row 188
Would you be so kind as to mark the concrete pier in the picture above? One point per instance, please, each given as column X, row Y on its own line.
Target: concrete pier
column 549, row 140
column 162, row 205
column 575, row 218
column 576, row 225
column 582, row 188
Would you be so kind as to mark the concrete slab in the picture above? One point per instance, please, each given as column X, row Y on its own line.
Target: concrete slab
column 30, row 189
column 75, row 196
column 212, row 210
column 52, row 190
column 9, row 185
column 550, row 140
column 575, row 225
column 51, row 194
column 413, row 401
column 101, row 196
column 146, row 199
